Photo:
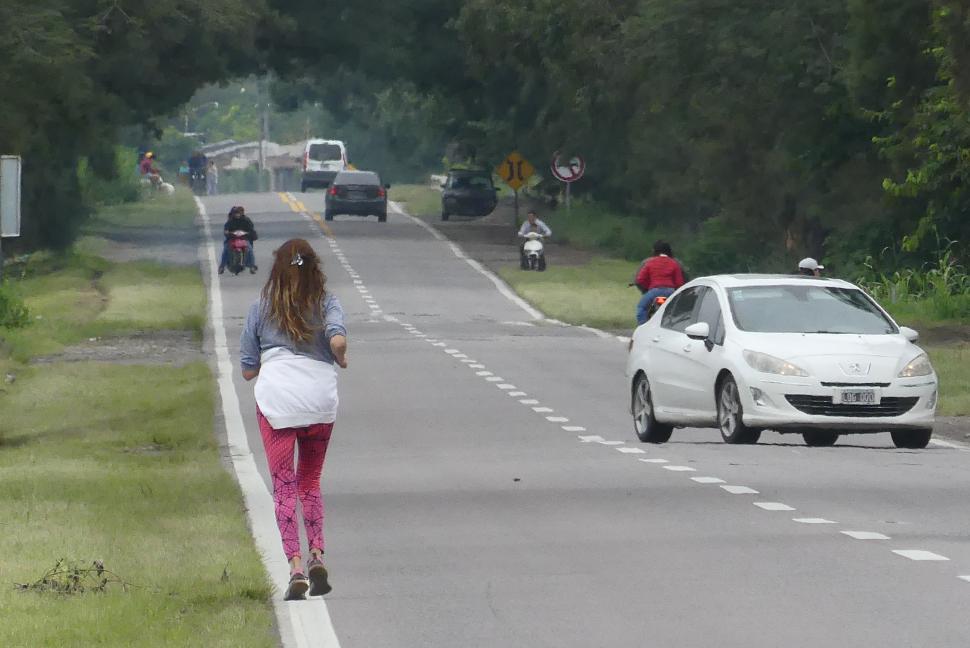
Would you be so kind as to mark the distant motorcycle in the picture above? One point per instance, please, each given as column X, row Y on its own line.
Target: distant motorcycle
column 655, row 303
column 534, row 250
column 238, row 248
column 197, row 182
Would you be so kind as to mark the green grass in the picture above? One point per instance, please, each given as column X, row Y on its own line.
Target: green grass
column 595, row 294
column 952, row 364
column 419, row 200
column 157, row 210
column 119, row 464
column 72, row 297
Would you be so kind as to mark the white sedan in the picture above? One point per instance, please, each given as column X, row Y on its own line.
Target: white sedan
column 745, row 353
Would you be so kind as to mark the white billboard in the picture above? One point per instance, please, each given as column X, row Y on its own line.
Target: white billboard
column 9, row 196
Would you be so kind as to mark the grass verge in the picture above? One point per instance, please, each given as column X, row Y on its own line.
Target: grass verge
column 597, row 295
column 118, row 463
column 419, row 200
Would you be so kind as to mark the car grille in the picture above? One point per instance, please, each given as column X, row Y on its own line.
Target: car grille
column 823, row 406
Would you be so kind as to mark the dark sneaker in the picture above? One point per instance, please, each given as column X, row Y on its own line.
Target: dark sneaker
column 297, row 588
column 318, row 578
column 222, row 269
column 252, row 270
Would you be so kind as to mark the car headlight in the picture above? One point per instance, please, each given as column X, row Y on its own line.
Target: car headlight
column 770, row 364
column 918, row 366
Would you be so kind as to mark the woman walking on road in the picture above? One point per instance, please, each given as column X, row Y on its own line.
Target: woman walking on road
column 294, row 336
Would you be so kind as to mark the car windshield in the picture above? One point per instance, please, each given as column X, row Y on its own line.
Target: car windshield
column 325, row 152
column 807, row 309
column 471, row 182
column 357, row 179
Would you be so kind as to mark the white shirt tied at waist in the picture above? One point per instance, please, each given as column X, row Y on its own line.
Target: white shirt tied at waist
column 295, row 390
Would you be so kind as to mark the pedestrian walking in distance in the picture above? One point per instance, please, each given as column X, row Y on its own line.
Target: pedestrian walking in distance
column 212, row 179
column 293, row 338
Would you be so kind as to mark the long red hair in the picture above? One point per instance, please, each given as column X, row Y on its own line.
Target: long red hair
column 294, row 292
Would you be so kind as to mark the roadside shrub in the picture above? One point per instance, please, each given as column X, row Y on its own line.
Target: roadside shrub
column 13, row 311
column 939, row 290
column 116, row 184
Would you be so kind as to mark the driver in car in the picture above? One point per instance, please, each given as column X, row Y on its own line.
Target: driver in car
column 532, row 224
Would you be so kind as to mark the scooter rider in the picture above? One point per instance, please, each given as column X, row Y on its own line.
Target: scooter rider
column 237, row 220
column 659, row 276
column 531, row 224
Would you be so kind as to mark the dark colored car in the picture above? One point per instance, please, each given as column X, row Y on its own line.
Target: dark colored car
column 357, row 193
column 468, row 193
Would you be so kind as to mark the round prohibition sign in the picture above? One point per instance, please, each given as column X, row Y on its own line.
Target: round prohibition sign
column 568, row 170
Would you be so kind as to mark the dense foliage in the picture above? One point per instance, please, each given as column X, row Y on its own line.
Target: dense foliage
column 752, row 132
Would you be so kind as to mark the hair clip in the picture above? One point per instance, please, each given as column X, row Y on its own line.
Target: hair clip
column 297, row 260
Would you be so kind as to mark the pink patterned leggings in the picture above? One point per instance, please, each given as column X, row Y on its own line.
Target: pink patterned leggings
column 304, row 484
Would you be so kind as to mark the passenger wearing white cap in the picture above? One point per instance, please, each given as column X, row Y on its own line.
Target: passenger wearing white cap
column 810, row 267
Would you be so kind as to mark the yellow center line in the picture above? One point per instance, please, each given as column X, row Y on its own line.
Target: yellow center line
column 298, row 207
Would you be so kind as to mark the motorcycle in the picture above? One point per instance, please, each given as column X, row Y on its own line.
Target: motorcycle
column 238, row 249
column 655, row 303
column 534, row 251
column 197, row 182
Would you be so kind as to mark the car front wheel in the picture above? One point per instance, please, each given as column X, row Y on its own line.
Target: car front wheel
column 645, row 425
column 912, row 439
column 730, row 415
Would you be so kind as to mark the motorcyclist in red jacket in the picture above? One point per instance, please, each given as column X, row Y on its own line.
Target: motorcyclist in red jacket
column 659, row 276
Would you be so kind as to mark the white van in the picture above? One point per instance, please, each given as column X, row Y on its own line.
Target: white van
column 322, row 161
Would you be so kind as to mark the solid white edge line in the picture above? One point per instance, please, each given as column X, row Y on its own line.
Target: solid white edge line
column 303, row 623
column 953, row 445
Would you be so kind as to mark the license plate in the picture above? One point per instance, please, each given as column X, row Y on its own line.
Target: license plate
column 856, row 397
column 356, row 195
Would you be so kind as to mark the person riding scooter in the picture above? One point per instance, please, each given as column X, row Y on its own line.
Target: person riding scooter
column 532, row 225
column 238, row 221
column 659, row 276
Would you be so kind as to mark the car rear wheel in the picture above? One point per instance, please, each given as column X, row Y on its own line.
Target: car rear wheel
column 382, row 218
column 730, row 415
column 645, row 425
column 303, row 187
column 328, row 215
column 445, row 215
column 912, row 439
column 820, row 438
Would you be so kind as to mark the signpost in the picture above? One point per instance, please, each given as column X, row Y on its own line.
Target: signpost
column 9, row 200
column 515, row 170
column 568, row 171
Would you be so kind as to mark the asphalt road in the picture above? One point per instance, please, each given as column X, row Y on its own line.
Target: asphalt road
column 459, row 515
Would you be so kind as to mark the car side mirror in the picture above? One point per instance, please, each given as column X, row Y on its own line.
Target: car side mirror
column 908, row 333
column 698, row 331
column 387, row 186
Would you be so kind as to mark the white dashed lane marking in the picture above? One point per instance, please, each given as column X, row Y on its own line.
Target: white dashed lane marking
column 656, row 461
column 573, row 428
column 740, row 490
column 543, row 410
column 813, row 521
column 557, row 419
column 865, row 535
column 708, row 480
column 773, row 506
column 680, row 468
column 964, row 578
column 631, row 450
column 918, row 554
